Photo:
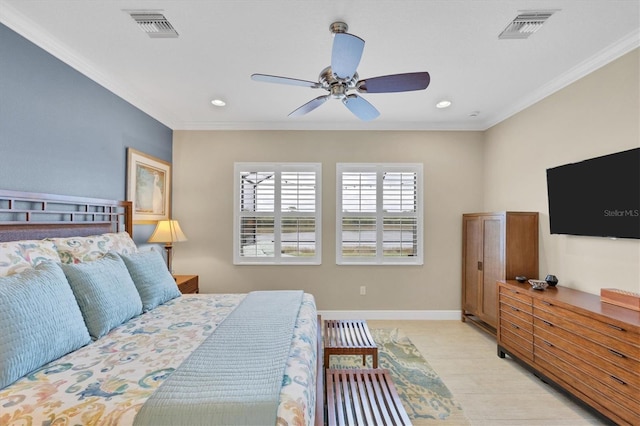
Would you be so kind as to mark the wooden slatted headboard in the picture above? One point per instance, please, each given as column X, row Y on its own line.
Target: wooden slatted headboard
column 34, row 216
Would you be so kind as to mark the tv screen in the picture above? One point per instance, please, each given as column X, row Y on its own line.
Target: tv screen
column 596, row 197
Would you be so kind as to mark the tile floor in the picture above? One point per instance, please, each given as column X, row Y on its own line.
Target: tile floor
column 492, row 391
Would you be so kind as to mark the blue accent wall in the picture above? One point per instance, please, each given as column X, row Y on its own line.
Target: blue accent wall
column 61, row 132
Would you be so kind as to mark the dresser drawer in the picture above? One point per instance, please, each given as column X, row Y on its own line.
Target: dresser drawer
column 596, row 328
column 517, row 317
column 568, row 369
column 610, row 348
column 515, row 293
column 517, row 341
column 515, row 306
column 610, row 372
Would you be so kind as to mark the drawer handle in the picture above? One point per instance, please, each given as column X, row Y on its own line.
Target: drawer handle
column 547, row 343
column 615, row 327
column 616, row 353
column 546, row 303
column 515, row 309
column 547, row 323
column 622, row 382
column 515, row 326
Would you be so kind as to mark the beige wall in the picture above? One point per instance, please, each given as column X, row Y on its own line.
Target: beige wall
column 203, row 202
column 500, row 169
column 597, row 115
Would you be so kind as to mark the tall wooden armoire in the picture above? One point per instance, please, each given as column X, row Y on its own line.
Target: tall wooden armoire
column 495, row 246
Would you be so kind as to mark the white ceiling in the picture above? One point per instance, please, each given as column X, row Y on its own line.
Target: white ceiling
column 222, row 42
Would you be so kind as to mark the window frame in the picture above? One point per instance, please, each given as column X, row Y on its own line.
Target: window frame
column 380, row 169
column 278, row 214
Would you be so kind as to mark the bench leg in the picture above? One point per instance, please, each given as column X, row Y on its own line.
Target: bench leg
column 375, row 359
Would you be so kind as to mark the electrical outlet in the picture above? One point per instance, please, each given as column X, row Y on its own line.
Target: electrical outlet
column 363, row 290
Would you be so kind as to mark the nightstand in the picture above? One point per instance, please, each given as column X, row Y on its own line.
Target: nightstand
column 187, row 283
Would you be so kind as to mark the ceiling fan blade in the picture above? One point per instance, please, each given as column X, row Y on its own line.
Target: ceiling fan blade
column 346, row 54
column 360, row 107
column 309, row 106
column 284, row 80
column 395, row 83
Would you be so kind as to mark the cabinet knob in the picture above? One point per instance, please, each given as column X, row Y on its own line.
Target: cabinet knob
column 479, row 266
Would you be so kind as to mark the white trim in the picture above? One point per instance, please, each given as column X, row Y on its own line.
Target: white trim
column 392, row 315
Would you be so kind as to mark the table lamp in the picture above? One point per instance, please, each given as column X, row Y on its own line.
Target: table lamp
column 168, row 232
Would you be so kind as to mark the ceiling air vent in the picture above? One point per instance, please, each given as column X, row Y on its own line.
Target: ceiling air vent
column 154, row 24
column 525, row 24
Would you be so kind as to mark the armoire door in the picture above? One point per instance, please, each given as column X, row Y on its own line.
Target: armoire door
column 492, row 267
column 472, row 244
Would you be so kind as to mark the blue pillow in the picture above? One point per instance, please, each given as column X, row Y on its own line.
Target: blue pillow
column 40, row 321
column 105, row 293
column 151, row 277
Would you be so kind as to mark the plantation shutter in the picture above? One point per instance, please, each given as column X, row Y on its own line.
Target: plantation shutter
column 277, row 212
column 379, row 214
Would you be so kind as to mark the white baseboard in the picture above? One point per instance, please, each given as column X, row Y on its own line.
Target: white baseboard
column 391, row 315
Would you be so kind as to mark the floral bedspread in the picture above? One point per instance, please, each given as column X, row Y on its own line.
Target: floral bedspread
column 107, row 381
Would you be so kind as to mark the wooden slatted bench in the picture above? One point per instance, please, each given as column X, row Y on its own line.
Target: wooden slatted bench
column 359, row 397
column 349, row 337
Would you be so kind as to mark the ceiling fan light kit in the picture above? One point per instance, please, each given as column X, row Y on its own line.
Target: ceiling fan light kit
column 341, row 77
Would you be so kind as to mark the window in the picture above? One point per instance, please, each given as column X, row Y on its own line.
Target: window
column 379, row 214
column 277, row 213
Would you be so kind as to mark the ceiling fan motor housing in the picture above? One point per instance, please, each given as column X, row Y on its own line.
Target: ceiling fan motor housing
column 338, row 27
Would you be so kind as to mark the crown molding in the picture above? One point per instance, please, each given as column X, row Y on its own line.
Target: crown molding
column 602, row 58
column 35, row 34
column 308, row 125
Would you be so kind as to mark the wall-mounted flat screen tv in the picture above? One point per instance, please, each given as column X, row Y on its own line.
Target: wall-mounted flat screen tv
column 596, row 197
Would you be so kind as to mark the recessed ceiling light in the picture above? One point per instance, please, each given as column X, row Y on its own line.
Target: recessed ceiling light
column 443, row 104
column 218, row 102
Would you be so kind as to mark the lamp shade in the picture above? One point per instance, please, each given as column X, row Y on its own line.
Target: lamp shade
column 167, row 231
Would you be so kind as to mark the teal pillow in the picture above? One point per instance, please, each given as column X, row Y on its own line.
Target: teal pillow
column 40, row 321
column 105, row 293
column 151, row 277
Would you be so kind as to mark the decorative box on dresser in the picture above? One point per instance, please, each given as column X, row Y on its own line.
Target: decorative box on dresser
column 187, row 284
column 589, row 348
column 495, row 246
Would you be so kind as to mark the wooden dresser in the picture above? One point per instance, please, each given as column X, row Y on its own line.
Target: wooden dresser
column 589, row 348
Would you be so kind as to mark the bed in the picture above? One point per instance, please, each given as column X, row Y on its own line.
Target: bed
column 159, row 357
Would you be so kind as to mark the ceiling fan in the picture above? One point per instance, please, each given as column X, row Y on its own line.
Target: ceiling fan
column 341, row 77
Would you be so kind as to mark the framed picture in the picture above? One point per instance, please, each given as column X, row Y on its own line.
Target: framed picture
column 148, row 187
